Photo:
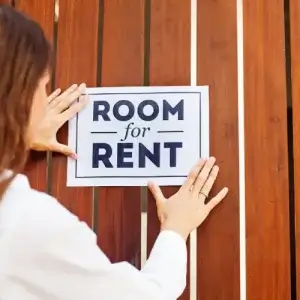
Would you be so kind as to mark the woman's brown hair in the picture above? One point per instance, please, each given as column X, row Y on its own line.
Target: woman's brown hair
column 24, row 58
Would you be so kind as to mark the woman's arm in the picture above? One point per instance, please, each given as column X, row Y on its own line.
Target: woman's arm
column 53, row 254
column 64, row 260
column 167, row 264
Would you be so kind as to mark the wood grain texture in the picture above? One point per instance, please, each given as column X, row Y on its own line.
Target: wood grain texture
column 169, row 65
column 122, row 64
column 77, row 47
column 267, row 190
column 43, row 13
column 40, row 11
column 295, row 73
column 5, row 1
column 119, row 208
column 218, row 236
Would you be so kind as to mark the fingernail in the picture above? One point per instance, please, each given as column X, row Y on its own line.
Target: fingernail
column 74, row 156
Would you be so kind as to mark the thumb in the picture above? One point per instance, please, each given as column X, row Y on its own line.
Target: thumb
column 63, row 149
column 159, row 199
column 156, row 192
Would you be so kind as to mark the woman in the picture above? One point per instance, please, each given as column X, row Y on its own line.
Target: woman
column 45, row 252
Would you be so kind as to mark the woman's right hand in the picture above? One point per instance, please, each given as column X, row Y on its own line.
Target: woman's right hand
column 187, row 209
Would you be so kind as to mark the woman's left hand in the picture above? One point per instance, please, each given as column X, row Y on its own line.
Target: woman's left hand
column 61, row 107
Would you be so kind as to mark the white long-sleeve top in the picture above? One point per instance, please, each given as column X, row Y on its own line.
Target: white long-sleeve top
column 46, row 253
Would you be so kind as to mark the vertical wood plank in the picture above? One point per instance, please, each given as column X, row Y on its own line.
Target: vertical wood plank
column 119, row 209
column 294, row 10
column 218, row 237
column 267, row 190
column 169, row 65
column 42, row 12
column 77, row 47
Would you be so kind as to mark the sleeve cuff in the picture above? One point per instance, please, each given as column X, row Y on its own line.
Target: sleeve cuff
column 167, row 263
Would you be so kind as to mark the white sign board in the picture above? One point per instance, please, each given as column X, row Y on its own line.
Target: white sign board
column 128, row 136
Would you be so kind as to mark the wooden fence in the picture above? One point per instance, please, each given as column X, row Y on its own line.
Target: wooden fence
column 248, row 52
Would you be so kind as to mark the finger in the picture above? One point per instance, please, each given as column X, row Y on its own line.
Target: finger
column 156, row 192
column 209, row 183
column 74, row 109
column 159, row 199
column 66, row 101
column 217, row 199
column 203, row 175
column 70, row 89
column 53, row 95
column 160, row 204
column 63, row 149
column 65, row 94
column 192, row 176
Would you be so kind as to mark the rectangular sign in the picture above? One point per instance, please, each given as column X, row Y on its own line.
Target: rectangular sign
column 127, row 136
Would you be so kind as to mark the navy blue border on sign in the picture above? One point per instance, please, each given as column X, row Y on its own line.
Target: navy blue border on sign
column 155, row 176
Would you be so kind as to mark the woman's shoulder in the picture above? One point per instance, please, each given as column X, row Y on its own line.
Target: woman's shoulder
column 25, row 209
column 38, row 233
